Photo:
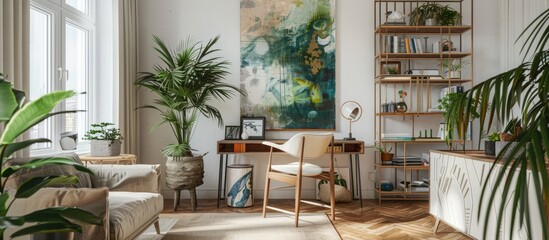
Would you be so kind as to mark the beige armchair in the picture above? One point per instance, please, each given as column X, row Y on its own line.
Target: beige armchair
column 125, row 196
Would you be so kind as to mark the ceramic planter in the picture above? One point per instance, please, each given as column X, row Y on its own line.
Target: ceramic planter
column 105, row 148
column 184, row 173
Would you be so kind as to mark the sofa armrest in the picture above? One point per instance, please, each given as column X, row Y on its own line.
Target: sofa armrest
column 130, row 178
column 94, row 200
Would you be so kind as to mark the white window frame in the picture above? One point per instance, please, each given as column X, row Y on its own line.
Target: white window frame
column 61, row 14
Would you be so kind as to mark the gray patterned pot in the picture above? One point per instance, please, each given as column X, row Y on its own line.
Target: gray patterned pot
column 184, row 173
column 105, row 148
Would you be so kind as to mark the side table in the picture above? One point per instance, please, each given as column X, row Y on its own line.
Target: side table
column 127, row 159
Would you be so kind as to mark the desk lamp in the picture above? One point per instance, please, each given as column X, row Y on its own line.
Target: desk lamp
column 351, row 111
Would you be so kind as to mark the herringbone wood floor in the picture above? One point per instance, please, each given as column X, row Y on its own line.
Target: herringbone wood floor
column 388, row 220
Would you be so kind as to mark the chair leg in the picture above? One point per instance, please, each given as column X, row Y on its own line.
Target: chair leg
column 266, row 195
column 297, row 200
column 332, row 200
column 157, row 226
column 177, row 196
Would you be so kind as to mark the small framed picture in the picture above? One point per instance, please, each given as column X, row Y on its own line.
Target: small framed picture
column 254, row 127
column 232, row 132
column 390, row 67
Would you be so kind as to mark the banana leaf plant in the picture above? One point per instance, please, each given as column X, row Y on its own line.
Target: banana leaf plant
column 17, row 118
column 524, row 88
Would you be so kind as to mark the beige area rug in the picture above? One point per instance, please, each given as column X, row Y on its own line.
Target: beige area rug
column 243, row 226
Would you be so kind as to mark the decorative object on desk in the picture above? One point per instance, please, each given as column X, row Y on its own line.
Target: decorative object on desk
column 185, row 83
column 104, row 140
column 240, row 185
column 352, row 111
column 244, row 135
column 490, row 144
column 16, row 116
column 395, row 17
column 401, row 106
column 253, row 127
column 290, row 82
column 68, row 140
column 390, row 67
column 232, row 132
column 453, row 67
column 522, row 89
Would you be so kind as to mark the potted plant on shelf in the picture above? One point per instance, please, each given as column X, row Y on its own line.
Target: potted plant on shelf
column 524, row 88
column 401, row 105
column 490, row 144
column 453, row 67
column 447, row 16
column 189, row 78
column 386, row 156
column 105, row 140
column 449, row 102
column 19, row 117
column 425, row 14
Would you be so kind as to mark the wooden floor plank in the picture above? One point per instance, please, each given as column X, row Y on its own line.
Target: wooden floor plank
column 388, row 220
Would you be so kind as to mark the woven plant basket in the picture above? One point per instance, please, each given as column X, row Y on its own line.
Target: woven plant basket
column 184, row 172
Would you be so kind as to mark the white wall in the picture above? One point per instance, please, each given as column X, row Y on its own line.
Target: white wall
column 174, row 20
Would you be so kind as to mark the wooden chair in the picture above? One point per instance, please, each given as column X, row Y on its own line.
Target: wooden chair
column 304, row 146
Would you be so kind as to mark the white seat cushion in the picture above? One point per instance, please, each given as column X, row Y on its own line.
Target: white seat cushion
column 130, row 210
column 292, row 168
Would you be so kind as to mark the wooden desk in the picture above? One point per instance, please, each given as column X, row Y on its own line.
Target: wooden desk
column 120, row 159
column 225, row 148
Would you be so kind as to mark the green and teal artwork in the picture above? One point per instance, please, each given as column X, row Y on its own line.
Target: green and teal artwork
column 288, row 62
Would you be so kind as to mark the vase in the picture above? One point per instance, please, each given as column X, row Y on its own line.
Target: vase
column 184, row 173
column 430, row 22
column 490, row 148
column 401, row 107
column 244, row 135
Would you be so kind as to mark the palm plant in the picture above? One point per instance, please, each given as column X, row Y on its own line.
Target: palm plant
column 189, row 79
column 18, row 118
column 525, row 87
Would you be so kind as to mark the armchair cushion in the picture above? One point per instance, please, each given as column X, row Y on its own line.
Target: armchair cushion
column 129, row 209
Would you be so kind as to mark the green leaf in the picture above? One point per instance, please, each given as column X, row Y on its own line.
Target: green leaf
column 3, row 203
column 48, row 228
column 43, row 162
column 7, row 222
column 31, row 114
column 32, row 186
column 13, row 147
column 63, row 214
column 8, row 102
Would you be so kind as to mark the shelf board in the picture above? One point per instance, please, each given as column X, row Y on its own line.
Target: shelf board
column 394, row 79
column 400, row 192
column 421, row 141
column 412, row 167
column 408, row 113
column 440, row 1
column 425, row 56
column 422, row 29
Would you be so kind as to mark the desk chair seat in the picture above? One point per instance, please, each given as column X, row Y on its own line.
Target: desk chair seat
column 308, row 170
column 303, row 146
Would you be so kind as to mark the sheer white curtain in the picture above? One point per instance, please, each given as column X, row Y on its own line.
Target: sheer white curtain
column 127, row 73
column 14, row 44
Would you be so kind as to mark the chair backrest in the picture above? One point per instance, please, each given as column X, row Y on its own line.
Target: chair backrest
column 316, row 144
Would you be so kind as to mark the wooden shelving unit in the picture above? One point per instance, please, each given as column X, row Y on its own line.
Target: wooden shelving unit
column 420, row 88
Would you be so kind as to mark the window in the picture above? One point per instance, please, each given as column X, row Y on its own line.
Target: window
column 63, row 52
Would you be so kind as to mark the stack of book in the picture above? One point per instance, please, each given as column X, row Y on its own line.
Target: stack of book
column 410, row 161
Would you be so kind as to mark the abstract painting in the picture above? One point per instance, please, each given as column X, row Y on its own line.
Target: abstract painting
column 288, row 67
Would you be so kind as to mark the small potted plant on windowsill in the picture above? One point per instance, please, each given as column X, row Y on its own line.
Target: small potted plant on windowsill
column 105, row 140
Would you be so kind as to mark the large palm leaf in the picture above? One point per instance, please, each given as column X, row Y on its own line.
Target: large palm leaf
column 524, row 88
column 185, row 84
